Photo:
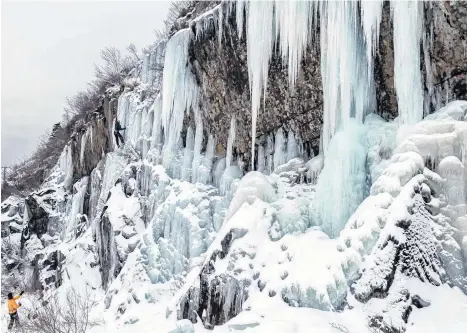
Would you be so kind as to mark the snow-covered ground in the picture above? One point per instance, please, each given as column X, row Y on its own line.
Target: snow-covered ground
column 284, row 274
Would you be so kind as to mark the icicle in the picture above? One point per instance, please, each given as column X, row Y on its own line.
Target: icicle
column 280, row 151
column 146, row 123
column 123, row 111
column 95, row 189
column 239, row 17
column 269, row 155
column 197, row 149
column 292, row 146
column 135, row 127
column 219, row 168
column 371, row 16
column 407, row 19
column 131, row 126
column 231, row 140
column 314, row 167
column 293, row 21
column 115, row 163
column 204, row 173
column 261, row 167
column 157, row 123
column 259, row 51
column 66, row 165
column 230, row 174
column 220, row 24
column 188, row 155
column 180, row 91
column 348, row 92
column 83, row 147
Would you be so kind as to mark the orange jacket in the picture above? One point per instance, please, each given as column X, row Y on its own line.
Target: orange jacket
column 12, row 305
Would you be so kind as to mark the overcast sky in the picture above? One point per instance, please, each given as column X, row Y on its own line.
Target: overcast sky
column 48, row 51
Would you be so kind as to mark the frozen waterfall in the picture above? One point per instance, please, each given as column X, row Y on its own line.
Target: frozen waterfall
column 341, row 184
column 348, row 37
column 408, row 26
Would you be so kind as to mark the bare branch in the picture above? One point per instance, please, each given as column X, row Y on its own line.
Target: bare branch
column 339, row 327
column 71, row 315
column 133, row 51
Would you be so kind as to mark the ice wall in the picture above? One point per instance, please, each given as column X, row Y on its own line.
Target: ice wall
column 341, row 184
column 74, row 225
column 65, row 163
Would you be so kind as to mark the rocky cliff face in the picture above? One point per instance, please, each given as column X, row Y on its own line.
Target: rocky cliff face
column 93, row 141
column 222, row 72
column 446, row 31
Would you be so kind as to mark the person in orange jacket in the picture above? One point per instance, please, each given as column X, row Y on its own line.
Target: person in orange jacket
column 13, row 309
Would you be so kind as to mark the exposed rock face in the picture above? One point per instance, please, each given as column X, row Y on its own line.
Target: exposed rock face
column 217, row 298
column 223, row 72
column 96, row 138
column 419, row 302
column 107, row 251
column 38, row 220
column 446, row 33
column 384, row 68
column 13, row 210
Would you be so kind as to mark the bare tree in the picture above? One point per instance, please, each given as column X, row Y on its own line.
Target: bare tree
column 133, row 51
column 71, row 315
column 115, row 66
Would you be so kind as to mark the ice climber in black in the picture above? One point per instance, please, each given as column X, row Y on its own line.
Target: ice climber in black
column 117, row 133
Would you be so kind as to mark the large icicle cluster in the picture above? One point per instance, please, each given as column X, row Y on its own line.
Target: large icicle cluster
column 371, row 13
column 347, row 91
column 180, row 91
column 349, row 39
column 408, row 26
